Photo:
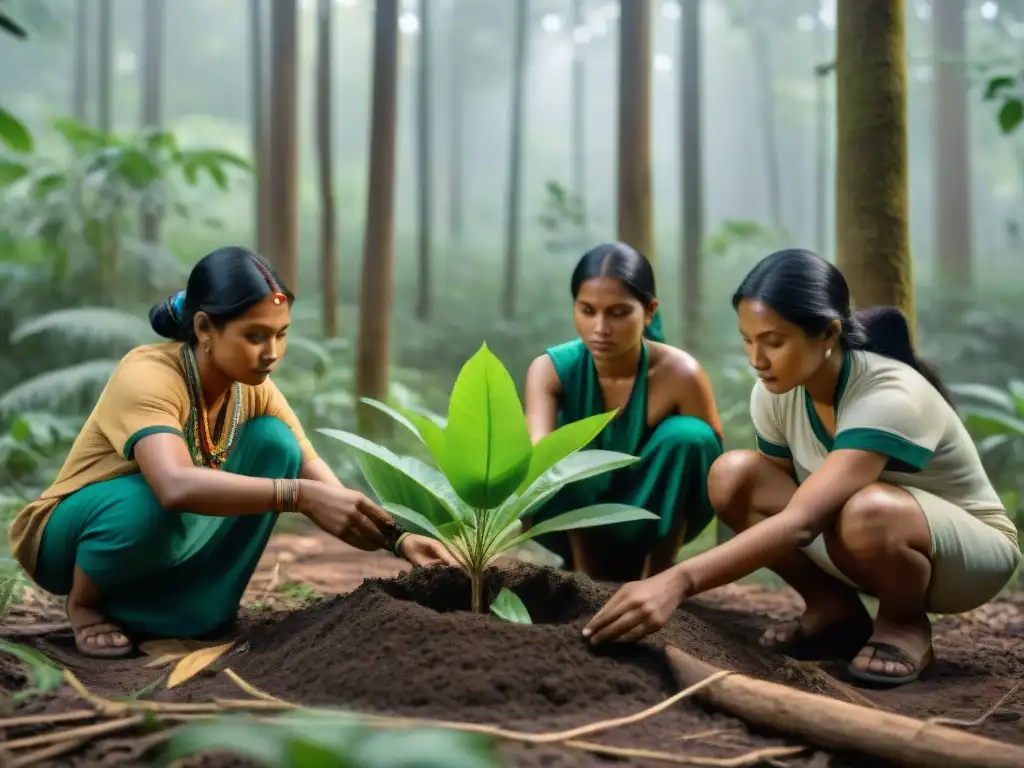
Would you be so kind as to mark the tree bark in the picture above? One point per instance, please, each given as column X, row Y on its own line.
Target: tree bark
column 577, row 137
column 154, row 13
column 424, row 180
column 872, row 232
column 258, row 118
column 841, row 725
column 324, row 140
column 953, row 215
column 635, row 216
column 282, row 166
column 105, row 66
column 80, row 75
column 374, row 345
column 515, row 161
column 691, row 155
column 455, row 127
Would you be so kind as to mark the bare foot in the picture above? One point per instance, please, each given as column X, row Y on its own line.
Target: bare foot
column 96, row 636
column 896, row 653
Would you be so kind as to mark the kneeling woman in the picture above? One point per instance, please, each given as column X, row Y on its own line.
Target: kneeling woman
column 169, row 494
column 667, row 416
column 864, row 479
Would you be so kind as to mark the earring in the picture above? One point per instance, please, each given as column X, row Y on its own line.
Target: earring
column 206, row 345
column 828, row 353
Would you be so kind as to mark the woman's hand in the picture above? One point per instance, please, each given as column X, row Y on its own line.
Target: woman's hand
column 639, row 608
column 345, row 513
column 423, row 551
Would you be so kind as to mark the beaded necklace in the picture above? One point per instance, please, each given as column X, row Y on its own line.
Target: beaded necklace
column 204, row 451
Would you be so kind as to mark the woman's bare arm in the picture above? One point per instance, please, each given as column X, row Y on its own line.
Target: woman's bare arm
column 178, row 484
column 541, row 395
column 694, row 395
column 319, row 471
column 816, row 501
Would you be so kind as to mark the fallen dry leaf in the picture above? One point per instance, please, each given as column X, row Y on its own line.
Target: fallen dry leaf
column 164, row 660
column 195, row 663
column 170, row 645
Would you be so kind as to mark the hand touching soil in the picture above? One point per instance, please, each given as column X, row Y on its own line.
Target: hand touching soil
column 346, row 514
column 422, row 551
column 637, row 609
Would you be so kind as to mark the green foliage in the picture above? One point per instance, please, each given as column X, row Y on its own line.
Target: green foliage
column 508, row 606
column 1004, row 90
column 995, row 418
column 312, row 740
column 488, row 477
column 44, row 675
column 563, row 217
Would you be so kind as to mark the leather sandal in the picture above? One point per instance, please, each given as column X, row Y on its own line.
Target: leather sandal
column 890, row 652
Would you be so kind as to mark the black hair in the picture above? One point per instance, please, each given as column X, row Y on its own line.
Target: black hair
column 811, row 293
column 620, row 261
column 630, row 267
column 224, row 284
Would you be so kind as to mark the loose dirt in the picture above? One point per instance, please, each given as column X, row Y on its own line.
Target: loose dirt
column 407, row 645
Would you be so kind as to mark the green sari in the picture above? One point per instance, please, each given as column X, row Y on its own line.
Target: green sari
column 670, row 479
column 166, row 573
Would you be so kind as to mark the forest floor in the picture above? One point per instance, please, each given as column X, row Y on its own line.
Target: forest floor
column 326, row 625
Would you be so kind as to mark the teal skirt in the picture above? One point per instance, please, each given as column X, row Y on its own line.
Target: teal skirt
column 670, row 480
column 165, row 573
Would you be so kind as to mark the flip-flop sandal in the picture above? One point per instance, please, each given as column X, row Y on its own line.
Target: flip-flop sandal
column 890, row 652
column 101, row 651
column 842, row 639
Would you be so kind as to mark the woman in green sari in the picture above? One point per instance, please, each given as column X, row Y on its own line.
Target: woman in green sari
column 666, row 415
column 168, row 496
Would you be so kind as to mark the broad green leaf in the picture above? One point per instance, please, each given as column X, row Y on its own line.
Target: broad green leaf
column 12, row 172
column 573, row 468
column 429, row 433
column 1016, row 388
column 14, row 134
column 81, row 138
column 403, row 479
column 984, row 393
column 992, row 421
column 416, row 522
column 44, row 675
column 426, row 748
column 997, row 84
column 509, row 607
column 568, row 438
column 1010, row 115
column 487, row 445
column 587, row 517
column 394, row 413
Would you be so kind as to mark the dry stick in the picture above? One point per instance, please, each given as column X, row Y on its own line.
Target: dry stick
column 63, row 717
column 978, row 720
column 46, row 753
column 531, row 738
column 842, row 725
column 87, row 731
column 750, row 758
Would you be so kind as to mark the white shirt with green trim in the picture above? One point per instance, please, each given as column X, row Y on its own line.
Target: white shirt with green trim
column 885, row 406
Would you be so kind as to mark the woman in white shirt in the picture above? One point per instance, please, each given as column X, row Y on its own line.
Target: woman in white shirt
column 864, row 479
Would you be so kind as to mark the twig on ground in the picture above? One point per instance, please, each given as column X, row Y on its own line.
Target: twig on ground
column 63, row 717
column 978, row 720
column 706, row 734
column 750, row 758
column 84, row 732
column 46, row 753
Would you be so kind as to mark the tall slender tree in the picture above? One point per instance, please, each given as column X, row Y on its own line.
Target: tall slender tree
column 154, row 13
column 691, row 156
column 258, row 121
column 872, row 232
column 635, row 214
column 373, row 349
column 515, row 159
column 325, row 142
column 283, row 139
column 425, row 186
column 105, row 66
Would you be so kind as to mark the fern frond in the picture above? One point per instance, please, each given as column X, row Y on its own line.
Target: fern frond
column 99, row 324
column 50, row 388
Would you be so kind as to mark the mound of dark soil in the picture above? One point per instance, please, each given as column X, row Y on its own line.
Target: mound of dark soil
column 409, row 646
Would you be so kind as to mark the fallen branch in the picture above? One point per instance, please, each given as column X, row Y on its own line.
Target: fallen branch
column 842, row 725
column 978, row 720
column 749, row 758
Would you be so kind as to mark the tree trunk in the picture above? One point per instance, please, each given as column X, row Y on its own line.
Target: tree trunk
column 577, row 138
column 953, row 219
column 80, row 75
column 764, row 77
column 283, row 170
column 515, row 160
column 375, row 298
column 691, row 173
column 872, row 233
column 154, row 13
column 105, row 66
column 424, row 179
column 635, row 224
column 324, row 140
column 455, row 126
column 822, row 138
column 258, row 118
